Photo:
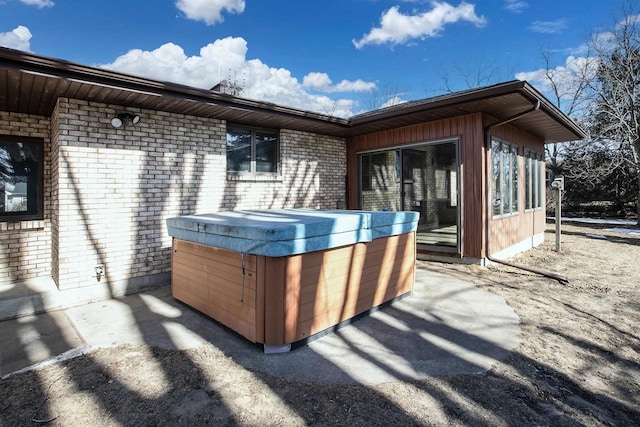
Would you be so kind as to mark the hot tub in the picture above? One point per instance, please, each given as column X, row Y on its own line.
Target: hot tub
column 277, row 277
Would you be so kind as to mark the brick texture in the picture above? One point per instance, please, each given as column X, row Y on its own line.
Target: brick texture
column 114, row 188
column 25, row 246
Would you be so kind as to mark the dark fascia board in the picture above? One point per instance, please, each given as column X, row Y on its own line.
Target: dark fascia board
column 57, row 68
column 520, row 87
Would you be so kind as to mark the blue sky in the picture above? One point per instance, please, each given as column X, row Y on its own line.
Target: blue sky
column 335, row 57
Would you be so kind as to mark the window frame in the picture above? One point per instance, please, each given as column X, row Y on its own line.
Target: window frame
column 253, row 131
column 505, row 178
column 368, row 161
column 39, row 193
column 533, row 179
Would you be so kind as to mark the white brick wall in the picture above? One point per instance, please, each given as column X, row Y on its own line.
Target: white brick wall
column 314, row 170
column 116, row 187
column 25, row 246
column 108, row 191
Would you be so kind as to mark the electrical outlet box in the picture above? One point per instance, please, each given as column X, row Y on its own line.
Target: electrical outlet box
column 99, row 270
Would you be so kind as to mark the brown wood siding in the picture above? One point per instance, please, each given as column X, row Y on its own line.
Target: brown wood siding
column 211, row 281
column 274, row 314
column 510, row 230
column 468, row 129
column 287, row 299
column 335, row 285
column 261, row 268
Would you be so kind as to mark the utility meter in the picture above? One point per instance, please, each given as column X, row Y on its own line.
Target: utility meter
column 558, row 183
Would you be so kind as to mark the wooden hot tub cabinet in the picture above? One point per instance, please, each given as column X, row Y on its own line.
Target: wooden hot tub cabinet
column 278, row 300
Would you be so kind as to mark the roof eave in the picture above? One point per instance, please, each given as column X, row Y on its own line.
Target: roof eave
column 520, row 87
column 264, row 111
column 554, row 112
column 57, row 68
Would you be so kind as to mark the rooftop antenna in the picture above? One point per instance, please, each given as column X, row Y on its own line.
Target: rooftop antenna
column 230, row 86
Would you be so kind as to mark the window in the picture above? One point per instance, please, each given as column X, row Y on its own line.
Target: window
column 252, row 151
column 505, row 178
column 21, row 181
column 532, row 179
column 373, row 170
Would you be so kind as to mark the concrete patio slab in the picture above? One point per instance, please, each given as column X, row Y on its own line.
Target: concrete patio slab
column 447, row 327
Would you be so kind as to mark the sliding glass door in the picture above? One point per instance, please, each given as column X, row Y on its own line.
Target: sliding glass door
column 422, row 178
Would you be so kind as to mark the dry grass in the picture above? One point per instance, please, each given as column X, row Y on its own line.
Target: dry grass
column 578, row 363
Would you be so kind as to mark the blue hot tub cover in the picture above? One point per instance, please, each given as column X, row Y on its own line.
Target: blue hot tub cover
column 282, row 232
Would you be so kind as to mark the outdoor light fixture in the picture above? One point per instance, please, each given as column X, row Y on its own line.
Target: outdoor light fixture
column 125, row 119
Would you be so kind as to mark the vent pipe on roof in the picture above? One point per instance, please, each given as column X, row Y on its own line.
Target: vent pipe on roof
column 487, row 147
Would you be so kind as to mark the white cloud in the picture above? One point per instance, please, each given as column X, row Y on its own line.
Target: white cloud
column 562, row 80
column 397, row 28
column 548, row 27
column 38, row 3
column 394, row 100
column 226, row 59
column 515, row 6
column 573, row 66
column 317, row 81
column 322, row 83
column 170, row 63
column 209, row 11
column 19, row 38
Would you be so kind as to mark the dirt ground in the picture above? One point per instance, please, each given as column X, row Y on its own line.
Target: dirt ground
column 578, row 363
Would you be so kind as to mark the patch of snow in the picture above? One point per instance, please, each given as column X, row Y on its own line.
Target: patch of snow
column 604, row 221
column 632, row 231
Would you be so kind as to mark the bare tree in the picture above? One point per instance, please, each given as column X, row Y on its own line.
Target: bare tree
column 383, row 97
column 616, row 92
column 475, row 74
column 569, row 87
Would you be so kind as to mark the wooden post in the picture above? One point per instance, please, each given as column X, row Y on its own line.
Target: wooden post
column 558, row 186
column 558, row 220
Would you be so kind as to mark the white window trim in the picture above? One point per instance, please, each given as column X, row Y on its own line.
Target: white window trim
column 536, row 159
column 511, row 146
